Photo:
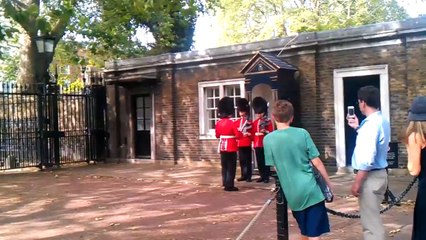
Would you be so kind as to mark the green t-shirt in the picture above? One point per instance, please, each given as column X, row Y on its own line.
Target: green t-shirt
column 290, row 151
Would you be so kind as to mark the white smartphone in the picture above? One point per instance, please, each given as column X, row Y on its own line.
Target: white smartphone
column 351, row 111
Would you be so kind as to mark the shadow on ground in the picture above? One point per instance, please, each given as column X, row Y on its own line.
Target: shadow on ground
column 150, row 201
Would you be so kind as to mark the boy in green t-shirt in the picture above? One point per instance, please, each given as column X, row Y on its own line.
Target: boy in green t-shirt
column 291, row 151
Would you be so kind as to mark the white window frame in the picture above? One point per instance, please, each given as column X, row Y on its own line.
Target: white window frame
column 339, row 75
column 210, row 133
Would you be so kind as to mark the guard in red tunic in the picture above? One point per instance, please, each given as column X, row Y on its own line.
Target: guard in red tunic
column 226, row 132
column 244, row 139
column 261, row 126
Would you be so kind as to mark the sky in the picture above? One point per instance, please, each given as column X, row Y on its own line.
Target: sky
column 206, row 29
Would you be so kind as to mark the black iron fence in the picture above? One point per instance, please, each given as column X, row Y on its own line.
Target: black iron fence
column 45, row 125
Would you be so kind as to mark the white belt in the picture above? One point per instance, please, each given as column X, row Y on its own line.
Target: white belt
column 259, row 134
column 226, row 136
column 226, row 143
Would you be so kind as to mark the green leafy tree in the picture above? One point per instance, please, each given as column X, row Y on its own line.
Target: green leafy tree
column 9, row 58
column 255, row 20
column 8, row 32
column 105, row 27
column 9, row 67
column 171, row 23
column 49, row 18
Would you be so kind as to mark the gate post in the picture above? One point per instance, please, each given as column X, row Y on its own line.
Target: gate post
column 53, row 90
column 87, row 114
column 42, row 141
column 96, row 117
column 282, row 214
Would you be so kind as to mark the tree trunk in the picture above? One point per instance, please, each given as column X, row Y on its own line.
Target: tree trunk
column 27, row 64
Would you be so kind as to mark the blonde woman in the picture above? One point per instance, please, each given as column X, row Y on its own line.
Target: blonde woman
column 415, row 140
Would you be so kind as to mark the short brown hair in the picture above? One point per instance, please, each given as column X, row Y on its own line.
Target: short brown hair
column 282, row 111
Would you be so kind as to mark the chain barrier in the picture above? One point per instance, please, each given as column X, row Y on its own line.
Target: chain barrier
column 265, row 205
column 275, row 191
column 394, row 201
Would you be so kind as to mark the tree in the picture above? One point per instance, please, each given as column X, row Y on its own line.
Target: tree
column 105, row 26
column 9, row 67
column 255, row 20
column 171, row 23
column 7, row 32
column 34, row 17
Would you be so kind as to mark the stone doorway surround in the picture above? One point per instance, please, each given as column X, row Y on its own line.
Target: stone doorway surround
column 340, row 117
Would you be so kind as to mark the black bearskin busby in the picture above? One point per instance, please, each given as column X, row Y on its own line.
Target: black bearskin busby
column 225, row 107
column 260, row 105
column 243, row 105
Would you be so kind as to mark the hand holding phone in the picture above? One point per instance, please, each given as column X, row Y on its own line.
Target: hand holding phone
column 353, row 121
column 351, row 111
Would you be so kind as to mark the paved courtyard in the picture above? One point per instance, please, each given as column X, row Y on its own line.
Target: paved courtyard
column 158, row 200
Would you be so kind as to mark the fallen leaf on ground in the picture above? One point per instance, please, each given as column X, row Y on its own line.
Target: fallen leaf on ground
column 393, row 232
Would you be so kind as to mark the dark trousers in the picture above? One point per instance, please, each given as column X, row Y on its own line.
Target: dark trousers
column 244, row 155
column 228, row 160
column 264, row 171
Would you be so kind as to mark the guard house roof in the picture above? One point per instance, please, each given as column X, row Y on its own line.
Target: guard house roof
column 275, row 63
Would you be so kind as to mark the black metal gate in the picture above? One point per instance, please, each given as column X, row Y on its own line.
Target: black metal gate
column 44, row 125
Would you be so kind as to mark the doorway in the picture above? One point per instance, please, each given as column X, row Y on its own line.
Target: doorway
column 351, row 85
column 143, row 123
column 346, row 82
column 265, row 91
column 270, row 95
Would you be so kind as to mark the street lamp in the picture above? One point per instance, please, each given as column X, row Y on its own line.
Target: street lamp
column 45, row 44
column 48, row 120
column 45, row 48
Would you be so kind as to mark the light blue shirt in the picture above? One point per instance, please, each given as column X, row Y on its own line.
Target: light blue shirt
column 372, row 143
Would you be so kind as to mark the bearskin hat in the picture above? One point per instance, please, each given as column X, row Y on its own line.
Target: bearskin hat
column 225, row 107
column 260, row 105
column 243, row 105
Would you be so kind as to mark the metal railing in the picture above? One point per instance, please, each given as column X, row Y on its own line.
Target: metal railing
column 42, row 125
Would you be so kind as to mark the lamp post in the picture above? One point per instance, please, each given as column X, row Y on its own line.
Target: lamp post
column 45, row 48
column 47, row 105
column 83, row 73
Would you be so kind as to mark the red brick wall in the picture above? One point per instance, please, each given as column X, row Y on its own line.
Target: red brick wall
column 407, row 78
column 163, row 116
column 190, row 146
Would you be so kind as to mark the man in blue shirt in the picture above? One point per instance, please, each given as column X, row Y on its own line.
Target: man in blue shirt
column 369, row 161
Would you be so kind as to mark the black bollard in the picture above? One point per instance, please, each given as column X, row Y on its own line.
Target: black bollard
column 282, row 214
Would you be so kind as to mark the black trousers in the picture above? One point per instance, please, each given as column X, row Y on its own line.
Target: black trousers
column 228, row 160
column 244, row 155
column 264, row 171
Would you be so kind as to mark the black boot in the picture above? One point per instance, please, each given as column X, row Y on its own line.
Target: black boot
column 231, row 189
column 241, row 179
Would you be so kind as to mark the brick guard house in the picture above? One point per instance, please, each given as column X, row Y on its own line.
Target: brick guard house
column 164, row 107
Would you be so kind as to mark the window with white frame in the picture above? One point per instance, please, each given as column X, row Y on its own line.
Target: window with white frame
column 209, row 95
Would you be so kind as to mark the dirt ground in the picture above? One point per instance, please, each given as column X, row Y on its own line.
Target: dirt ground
column 156, row 201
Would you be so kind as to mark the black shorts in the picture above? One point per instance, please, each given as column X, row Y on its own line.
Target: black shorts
column 313, row 221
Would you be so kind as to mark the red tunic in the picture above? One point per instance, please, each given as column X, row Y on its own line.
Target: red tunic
column 256, row 131
column 244, row 136
column 226, row 132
